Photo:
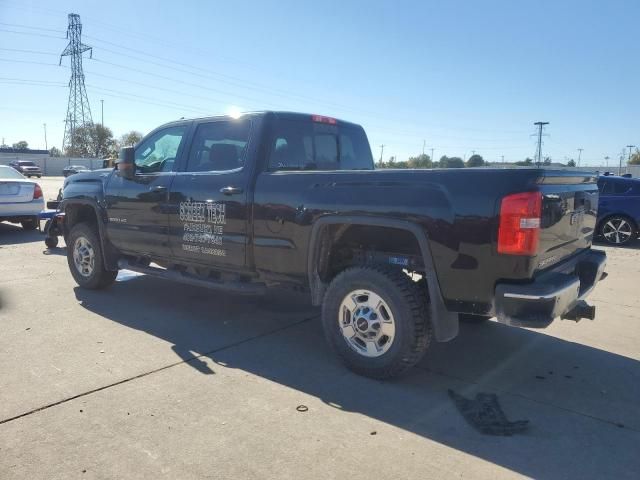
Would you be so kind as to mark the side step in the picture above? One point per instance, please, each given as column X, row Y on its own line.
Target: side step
column 244, row 288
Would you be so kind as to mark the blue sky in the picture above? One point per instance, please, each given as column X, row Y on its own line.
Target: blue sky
column 459, row 75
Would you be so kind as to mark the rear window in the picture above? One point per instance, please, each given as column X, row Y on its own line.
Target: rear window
column 10, row 173
column 307, row 145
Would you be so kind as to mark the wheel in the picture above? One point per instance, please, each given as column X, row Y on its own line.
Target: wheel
column 84, row 256
column 30, row 224
column 618, row 230
column 470, row 318
column 51, row 242
column 39, row 176
column 377, row 320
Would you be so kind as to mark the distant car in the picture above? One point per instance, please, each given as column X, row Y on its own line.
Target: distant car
column 21, row 200
column 27, row 168
column 71, row 169
column 618, row 209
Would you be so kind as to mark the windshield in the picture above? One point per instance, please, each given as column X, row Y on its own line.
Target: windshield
column 9, row 173
column 27, row 164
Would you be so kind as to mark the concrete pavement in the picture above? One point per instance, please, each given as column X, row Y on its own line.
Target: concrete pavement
column 152, row 379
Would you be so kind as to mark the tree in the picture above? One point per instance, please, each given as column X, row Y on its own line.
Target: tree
column 54, row 152
column 21, row 145
column 92, row 140
column 475, row 161
column 571, row 163
column 421, row 161
column 129, row 139
column 635, row 158
column 453, row 162
column 546, row 161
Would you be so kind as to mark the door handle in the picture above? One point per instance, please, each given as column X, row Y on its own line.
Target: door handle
column 158, row 188
column 231, row 190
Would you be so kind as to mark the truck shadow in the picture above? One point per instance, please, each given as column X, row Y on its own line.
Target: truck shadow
column 583, row 403
column 14, row 234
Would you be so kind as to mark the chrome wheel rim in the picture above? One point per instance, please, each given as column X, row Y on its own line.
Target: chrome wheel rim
column 84, row 256
column 366, row 323
column 617, row 230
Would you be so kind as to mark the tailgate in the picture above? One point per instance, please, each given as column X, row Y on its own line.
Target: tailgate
column 569, row 210
column 16, row 191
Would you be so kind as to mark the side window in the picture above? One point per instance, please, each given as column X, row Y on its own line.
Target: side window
column 605, row 187
column 219, row 146
column 158, row 152
column 620, row 188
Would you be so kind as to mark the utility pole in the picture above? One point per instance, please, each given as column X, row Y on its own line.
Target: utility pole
column 502, row 158
column 381, row 152
column 629, row 147
column 102, row 112
column 606, row 161
column 432, row 159
column 424, row 144
column 46, row 145
column 579, row 155
column 78, row 110
column 540, row 126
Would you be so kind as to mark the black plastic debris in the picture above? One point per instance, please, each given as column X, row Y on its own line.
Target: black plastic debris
column 485, row 414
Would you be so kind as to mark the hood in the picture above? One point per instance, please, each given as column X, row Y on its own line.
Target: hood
column 100, row 175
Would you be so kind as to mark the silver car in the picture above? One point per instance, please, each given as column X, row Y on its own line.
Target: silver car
column 21, row 200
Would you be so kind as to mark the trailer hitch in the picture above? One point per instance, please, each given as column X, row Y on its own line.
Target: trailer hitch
column 581, row 310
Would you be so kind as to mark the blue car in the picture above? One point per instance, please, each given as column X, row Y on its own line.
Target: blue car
column 618, row 209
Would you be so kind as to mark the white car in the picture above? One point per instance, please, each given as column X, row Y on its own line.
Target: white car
column 21, row 200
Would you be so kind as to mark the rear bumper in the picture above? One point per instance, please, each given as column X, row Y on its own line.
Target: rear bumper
column 558, row 292
column 21, row 209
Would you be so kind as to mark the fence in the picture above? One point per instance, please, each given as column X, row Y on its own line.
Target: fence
column 52, row 166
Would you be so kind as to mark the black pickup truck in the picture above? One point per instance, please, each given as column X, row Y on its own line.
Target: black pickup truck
column 394, row 257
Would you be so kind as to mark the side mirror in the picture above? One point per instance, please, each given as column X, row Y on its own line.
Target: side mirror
column 126, row 165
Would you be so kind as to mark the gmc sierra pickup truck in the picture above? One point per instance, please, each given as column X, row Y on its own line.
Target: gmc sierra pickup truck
column 394, row 257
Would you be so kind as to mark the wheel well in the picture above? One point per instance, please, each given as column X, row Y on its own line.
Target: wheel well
column 75, row 214
column 345, row 245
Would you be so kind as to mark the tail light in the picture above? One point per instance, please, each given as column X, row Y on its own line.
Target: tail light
column 323, row 119
column 37, row 192
column 519, row 230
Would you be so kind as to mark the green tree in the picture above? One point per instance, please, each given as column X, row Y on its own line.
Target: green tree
column 421, row 161
column 54, row 152
column 21, row 145
column 635, row 158
column 475, row 161
column 92, row 140
column 546, row 161
column 129, row 139
column 455, row 162
column 571, row 163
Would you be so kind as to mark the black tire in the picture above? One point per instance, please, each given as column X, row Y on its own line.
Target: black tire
column 618, row 230
column 51, row 242
column 98, row 277
column 409, row 308
column 30, row 224
column 470, row 318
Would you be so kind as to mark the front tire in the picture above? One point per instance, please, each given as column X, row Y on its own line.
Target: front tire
column 618, row 230
column 377, row 320
column 84, row 256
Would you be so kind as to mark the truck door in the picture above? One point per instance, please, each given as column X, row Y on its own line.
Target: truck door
column 138, row 218
column 209, row 209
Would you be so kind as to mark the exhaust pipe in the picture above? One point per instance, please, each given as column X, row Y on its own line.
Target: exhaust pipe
column 581, row 310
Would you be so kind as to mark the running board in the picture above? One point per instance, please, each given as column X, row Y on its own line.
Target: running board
column 244, row 288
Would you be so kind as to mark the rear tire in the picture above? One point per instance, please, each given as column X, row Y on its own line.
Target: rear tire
column 30, row 224
column 362, row 306
column 84, row 256
column 618, row 230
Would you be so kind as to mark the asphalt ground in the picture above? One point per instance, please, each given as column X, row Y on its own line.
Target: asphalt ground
column 152, row 379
